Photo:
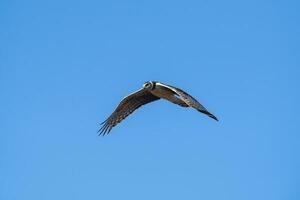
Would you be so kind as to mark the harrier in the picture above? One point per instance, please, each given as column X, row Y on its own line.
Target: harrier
column 150, row 92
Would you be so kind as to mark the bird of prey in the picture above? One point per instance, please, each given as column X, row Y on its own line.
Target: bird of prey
column 151, row 91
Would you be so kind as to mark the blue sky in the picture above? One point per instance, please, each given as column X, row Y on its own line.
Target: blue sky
column 65, row 65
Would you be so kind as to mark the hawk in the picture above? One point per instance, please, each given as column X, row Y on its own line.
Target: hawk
column 151, row 91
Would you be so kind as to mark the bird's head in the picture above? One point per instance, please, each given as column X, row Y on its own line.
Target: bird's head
column 149, row 85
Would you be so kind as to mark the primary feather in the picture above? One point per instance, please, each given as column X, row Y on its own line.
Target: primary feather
column 126, row 107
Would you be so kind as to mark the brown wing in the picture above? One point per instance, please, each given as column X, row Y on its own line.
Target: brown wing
column 189, row 100
column 125, row 108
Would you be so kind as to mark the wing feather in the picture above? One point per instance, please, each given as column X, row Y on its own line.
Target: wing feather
column 188, row 99
column 129, row 104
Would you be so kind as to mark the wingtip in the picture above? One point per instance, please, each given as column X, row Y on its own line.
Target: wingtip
column 209, row 114
column 213, row 117
column 100, row 132
column 103, row 129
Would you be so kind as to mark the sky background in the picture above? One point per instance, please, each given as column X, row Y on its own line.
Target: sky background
column 65, row 65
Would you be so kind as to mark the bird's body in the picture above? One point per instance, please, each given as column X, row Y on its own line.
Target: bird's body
column 150, row 92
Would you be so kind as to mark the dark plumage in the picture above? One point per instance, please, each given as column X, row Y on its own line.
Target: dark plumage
column 150, row 92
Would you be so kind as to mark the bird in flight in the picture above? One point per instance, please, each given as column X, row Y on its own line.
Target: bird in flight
column 151, row 91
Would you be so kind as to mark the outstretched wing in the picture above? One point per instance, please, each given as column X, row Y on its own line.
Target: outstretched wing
column 126, row 107
column 188, row 99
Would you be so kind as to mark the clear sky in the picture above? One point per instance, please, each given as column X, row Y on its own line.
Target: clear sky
column 65, row 65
